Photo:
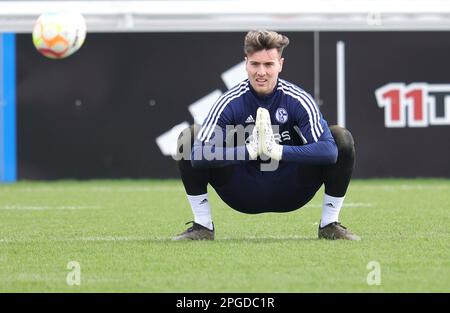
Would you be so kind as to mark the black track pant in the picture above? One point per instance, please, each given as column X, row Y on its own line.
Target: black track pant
column 336, row 177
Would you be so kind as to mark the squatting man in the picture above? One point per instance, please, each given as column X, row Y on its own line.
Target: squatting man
column 265, row 147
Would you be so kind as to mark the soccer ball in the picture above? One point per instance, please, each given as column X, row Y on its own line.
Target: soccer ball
column 57, row 35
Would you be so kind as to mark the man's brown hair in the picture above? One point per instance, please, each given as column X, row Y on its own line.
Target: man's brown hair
column 257, row 40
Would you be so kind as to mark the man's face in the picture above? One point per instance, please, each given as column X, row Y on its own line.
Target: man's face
column 262, row 69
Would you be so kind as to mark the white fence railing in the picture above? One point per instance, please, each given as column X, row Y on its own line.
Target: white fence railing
column 235, row 15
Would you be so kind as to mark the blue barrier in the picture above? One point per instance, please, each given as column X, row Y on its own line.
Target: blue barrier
column 8, row 153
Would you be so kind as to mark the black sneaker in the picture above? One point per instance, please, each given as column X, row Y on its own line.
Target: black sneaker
column 335, row 230
column 196, row 232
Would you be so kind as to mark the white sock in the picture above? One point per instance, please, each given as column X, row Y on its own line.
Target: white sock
column 330, row 209
column 201, row 209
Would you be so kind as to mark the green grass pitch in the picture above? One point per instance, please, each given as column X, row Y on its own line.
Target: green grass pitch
column 119, row 232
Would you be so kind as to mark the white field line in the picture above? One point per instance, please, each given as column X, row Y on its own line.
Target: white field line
column 20, row 207
column 109, row 189
column 117, row 238
column 153, row 239
column 90, row 189
column 348, row 205
column 84, row 239
column 142, row 238
column 137, row 189
column 401, row 187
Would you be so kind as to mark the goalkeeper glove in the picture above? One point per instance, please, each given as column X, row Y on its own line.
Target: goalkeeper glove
column 266, row 138
column 253, row 146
